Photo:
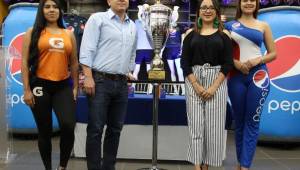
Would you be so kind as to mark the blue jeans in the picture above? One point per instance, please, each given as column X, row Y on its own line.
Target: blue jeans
column 107, row 107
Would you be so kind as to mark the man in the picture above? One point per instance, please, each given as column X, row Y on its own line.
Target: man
column 107, row 56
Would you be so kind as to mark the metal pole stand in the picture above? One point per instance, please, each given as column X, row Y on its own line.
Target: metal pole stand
column 156, row 89
column 6, row 155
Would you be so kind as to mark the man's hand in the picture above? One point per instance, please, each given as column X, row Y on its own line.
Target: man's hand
column 131, row 77
column 89, row 86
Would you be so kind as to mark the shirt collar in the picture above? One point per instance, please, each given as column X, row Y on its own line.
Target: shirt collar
column 112, row 15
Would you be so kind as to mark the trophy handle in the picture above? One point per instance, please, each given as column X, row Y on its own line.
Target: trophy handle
column 140, row 12
column 174, row 17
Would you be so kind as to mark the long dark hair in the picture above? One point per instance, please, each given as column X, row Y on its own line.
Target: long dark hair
column 239, row 12
column 218, row 14
column 39, row 25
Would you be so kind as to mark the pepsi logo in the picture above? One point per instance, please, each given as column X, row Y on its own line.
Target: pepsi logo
column 284, row 72
column 261, row 79
column 15, row 58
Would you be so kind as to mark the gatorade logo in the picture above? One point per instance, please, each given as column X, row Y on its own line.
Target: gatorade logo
column 38, row 91
column 284, row 72
column 57, row 43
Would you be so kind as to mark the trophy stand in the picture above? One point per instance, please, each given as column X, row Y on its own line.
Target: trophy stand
column 156, row 20
column 156, row 89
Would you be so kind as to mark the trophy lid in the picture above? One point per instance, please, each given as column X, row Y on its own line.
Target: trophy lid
column 158, row 7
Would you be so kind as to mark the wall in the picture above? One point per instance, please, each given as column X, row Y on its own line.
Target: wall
column 86, row 7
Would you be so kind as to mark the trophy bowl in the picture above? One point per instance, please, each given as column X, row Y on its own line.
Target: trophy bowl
column 157, row 20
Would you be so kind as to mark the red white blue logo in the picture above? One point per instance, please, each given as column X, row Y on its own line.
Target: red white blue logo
column 261, row 79
column 15, row 61
column 285, row 70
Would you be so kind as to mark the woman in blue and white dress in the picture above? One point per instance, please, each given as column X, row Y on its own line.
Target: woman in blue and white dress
column 249, row 83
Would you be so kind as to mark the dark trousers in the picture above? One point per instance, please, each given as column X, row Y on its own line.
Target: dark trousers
column 107, row 107
column 58, row 96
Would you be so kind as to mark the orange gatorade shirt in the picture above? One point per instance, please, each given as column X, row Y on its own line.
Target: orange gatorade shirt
column 55, row 50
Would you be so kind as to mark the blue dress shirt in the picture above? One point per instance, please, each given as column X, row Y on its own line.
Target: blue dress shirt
column 108, row 44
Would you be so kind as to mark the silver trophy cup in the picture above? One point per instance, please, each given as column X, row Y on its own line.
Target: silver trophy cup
column 157, row 19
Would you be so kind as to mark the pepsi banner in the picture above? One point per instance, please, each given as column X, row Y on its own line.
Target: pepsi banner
column 280, row 118
column 20, row 18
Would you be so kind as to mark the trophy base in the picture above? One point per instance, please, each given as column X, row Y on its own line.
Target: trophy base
column 156, row 75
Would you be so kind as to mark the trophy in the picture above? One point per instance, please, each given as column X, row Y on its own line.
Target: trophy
column 157, row 19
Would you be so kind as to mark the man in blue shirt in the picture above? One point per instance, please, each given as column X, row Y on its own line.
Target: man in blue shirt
column 107, row 57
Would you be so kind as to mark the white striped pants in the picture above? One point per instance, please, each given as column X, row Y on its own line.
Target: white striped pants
column 206, row 119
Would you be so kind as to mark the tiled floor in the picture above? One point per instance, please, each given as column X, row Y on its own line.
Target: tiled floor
column 279, row 156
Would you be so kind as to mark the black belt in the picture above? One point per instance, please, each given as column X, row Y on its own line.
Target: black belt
column 109, row 76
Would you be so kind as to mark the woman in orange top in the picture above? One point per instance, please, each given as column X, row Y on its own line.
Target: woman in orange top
column 49, row 51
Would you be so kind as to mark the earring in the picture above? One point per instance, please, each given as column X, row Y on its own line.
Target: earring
column 216, row 23
column 199, row 23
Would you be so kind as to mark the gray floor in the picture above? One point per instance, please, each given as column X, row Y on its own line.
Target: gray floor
column 279, row 156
